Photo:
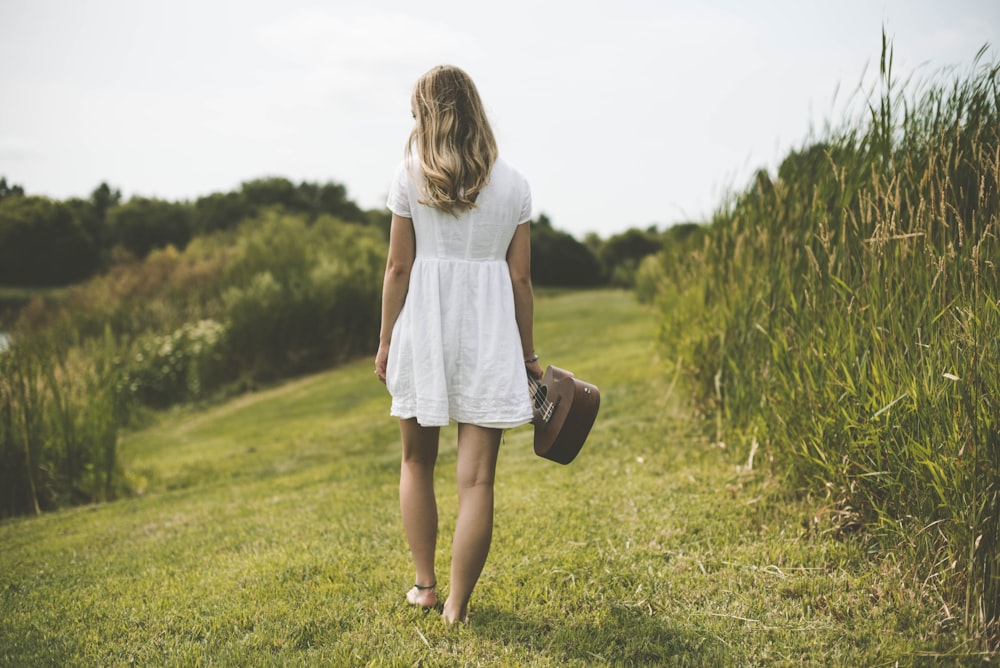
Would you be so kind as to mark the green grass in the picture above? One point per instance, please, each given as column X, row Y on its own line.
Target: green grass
column 268, row 533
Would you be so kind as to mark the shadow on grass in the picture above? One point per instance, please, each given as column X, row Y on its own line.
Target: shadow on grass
column 618, row 635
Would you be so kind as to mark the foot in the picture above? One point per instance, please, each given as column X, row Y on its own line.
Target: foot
column 422, row 595
column 453, row 614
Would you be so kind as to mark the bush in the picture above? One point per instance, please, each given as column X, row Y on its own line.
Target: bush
column 178, row 367
column 302, row 297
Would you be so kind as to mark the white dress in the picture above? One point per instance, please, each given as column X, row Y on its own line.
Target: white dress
column 455, row 352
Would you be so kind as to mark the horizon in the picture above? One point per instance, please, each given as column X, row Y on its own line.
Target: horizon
column 651, row 117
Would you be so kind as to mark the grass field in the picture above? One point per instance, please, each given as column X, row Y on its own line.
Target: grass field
column 268, row 533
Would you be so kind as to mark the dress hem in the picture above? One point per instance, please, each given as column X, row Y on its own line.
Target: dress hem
column 438, row 421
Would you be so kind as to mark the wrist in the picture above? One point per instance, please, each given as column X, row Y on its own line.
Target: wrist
column 532, row 359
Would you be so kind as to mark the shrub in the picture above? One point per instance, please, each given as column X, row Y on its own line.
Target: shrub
column 302, row 297
column 178, row 367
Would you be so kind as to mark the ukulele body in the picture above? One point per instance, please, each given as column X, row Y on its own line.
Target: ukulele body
column 565, row 408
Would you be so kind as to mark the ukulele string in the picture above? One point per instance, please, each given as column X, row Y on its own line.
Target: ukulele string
column 547, row 407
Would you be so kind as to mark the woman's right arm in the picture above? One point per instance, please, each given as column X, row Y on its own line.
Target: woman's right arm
column 519, row 262
column 395, row 285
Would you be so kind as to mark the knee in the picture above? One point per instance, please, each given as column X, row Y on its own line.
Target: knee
column 479, row 480
column 419, row 459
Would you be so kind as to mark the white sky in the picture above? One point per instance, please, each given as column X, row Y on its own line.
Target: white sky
column 621, row 114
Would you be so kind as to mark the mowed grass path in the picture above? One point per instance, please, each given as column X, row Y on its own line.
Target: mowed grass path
column 268, row 533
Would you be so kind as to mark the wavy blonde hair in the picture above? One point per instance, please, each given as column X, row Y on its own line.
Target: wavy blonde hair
column 453, row 139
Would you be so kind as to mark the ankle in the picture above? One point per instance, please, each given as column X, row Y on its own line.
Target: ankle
column 453, row 613
column 422, row 595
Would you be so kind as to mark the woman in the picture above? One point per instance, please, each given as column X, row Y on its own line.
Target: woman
column 457, row 308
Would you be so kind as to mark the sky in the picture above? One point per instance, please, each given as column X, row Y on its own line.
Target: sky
column 620, row 114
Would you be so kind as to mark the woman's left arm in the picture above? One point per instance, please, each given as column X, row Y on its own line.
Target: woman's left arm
column 395, row 285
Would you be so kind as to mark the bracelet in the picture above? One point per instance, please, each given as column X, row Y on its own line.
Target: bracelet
column 530, row 360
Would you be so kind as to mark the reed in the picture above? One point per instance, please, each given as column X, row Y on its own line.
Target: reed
column 850, row 323
column 61, row 408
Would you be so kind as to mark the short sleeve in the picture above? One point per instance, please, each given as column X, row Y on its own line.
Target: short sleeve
column 399, row 192
column 525, row 203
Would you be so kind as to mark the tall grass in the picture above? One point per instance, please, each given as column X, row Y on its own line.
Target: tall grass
column 846, row 316
column 59, row 419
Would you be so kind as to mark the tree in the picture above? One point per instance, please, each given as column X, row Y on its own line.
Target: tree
column 329, row 198
column 621, row 254
column 43, row 243
column 558, row 259
column 11, row 190
column 93, row 215
column 142, row 224
column 312, row 199
column 104, row 198
column 261, row 193
column 220, row 211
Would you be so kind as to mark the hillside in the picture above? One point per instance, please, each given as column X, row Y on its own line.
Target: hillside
column 268, row 533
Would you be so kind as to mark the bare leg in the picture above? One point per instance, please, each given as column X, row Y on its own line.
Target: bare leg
column 477, row 461
column 418, row 505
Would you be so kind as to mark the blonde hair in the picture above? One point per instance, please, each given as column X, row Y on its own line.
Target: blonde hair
column 453, row 139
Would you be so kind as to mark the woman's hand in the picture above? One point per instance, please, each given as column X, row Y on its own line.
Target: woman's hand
column 381, row 358
column 534, row 369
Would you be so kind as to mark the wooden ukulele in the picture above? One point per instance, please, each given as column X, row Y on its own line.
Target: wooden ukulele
column 565, row 408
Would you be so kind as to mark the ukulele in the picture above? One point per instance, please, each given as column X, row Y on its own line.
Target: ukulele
column 565, row 408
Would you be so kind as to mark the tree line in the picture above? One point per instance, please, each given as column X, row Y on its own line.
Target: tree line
column 46, row 242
